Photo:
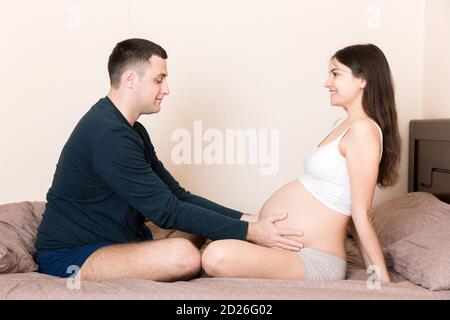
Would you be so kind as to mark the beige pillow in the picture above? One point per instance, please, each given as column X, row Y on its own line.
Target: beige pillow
column 407, row 214
column 18, row 229
column 414, row 233
column 8, row 261
column 424, row 257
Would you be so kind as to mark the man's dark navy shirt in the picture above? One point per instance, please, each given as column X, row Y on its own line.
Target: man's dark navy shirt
column 108, row 180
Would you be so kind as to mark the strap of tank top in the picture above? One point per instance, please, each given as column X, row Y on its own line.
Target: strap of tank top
column 338, row 122
column 342, row 119
column 379, row 129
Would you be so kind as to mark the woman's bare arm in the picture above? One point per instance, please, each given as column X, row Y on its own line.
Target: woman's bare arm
column 363, row 252
column 362, row 153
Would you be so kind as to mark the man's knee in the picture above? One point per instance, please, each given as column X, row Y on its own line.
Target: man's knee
column 186, row 257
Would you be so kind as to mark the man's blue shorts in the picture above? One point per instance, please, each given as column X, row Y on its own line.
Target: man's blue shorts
column 66, row 262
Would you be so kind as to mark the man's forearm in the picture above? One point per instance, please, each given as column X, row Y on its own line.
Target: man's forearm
column 185, row 195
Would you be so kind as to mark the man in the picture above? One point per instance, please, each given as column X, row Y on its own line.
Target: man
column 108, row 181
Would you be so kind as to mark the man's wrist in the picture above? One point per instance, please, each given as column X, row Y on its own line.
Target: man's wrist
column 250, row 231
column 249, row 217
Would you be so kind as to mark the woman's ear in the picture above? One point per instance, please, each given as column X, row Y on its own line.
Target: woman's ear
column 363, row 83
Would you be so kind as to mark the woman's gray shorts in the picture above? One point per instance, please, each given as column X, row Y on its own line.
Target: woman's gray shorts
column 322, row 266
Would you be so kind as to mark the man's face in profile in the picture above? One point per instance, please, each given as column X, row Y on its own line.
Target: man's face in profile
column 151, row 87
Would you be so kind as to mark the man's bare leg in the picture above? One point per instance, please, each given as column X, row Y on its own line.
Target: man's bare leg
column 169, row 259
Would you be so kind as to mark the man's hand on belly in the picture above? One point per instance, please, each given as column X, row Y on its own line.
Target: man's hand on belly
column 264, row 232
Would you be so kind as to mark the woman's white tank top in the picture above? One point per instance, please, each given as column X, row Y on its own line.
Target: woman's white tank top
column 326, row 175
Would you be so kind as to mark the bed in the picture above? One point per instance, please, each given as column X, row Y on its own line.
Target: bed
column 429, row 157
column 428, row 182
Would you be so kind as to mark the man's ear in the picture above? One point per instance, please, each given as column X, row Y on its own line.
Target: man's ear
column 129, row 79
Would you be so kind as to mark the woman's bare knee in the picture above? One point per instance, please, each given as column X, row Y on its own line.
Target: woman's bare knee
column 215, row 258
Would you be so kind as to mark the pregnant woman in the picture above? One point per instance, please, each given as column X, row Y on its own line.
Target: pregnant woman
column 335, row 192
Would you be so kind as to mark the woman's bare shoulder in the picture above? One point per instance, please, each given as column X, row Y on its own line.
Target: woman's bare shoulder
column 364, row 134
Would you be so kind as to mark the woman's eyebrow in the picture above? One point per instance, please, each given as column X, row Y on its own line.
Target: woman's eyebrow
column 337, row 69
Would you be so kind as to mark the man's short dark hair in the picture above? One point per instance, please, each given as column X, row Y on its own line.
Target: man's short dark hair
column 130, row 52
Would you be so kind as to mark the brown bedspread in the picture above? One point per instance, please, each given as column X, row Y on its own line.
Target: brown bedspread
column 38, row 286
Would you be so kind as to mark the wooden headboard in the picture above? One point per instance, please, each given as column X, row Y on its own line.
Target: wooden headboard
column 429, row 157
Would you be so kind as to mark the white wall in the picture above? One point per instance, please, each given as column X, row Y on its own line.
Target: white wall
column 232, row 64
column 437, row 60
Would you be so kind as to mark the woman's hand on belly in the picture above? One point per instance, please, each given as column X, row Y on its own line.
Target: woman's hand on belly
column 264, row 232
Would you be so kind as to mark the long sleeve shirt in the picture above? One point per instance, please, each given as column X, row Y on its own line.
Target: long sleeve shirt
column 108, row 180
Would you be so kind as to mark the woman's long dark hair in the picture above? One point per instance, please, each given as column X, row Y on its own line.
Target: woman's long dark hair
column 369, row 63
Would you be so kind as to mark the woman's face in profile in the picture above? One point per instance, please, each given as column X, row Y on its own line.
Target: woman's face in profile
column 345, row 89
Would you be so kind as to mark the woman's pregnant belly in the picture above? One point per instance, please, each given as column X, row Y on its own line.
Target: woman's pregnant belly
column 323, row 228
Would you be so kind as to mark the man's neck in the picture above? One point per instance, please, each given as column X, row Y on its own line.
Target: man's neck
column 123, row 106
